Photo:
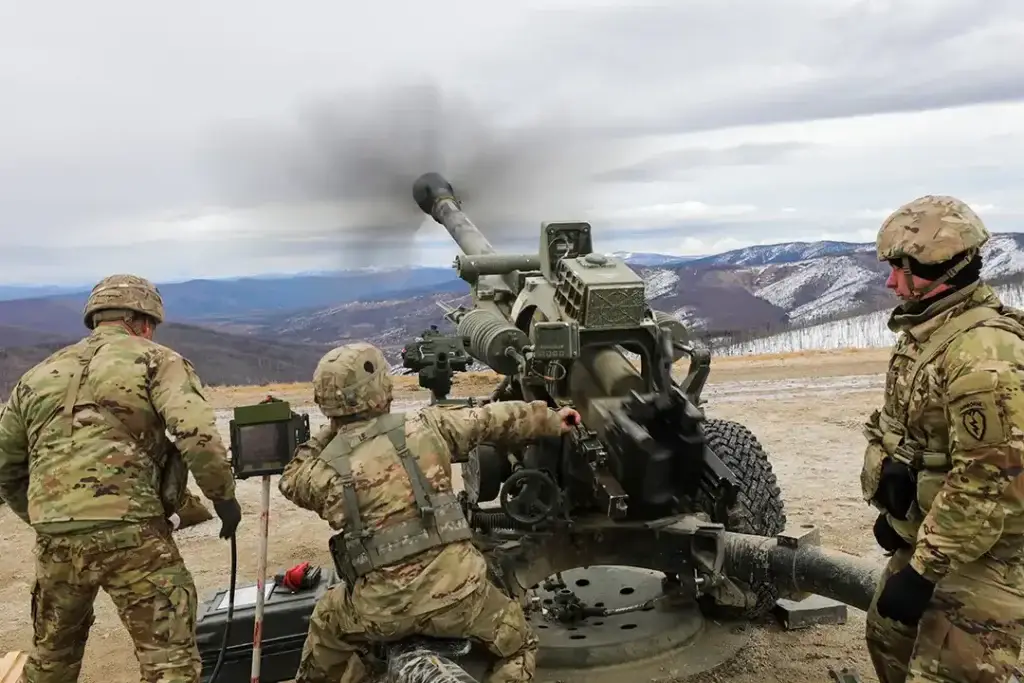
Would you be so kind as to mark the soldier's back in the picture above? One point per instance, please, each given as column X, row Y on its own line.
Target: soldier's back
column 92, row 465
column 432, row 579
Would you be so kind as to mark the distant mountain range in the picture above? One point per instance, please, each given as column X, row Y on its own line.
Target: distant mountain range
column 263, row 329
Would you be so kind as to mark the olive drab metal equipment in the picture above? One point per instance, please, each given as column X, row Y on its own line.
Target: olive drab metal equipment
column 356, row 550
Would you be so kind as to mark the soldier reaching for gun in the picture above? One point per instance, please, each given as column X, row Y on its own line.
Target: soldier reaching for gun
column 407, row 569
column 945, row 458
column 83, row 455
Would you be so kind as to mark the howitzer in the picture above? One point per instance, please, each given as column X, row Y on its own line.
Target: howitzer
column 647, row 479
column 559, row 325
column 619, row 538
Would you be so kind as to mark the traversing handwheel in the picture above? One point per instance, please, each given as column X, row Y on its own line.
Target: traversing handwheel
column 529, row 496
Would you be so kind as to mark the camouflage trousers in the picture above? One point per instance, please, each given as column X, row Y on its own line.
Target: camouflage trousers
column 139, row 567
column 337, row 634
column 973, row 629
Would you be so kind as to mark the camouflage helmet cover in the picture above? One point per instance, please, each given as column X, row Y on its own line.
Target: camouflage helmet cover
column 931, row 229
column 352, row 379
column 124, row 292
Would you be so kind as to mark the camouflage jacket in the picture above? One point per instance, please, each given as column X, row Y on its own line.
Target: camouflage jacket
column 435, row 436
column 965, row 412
column 68, row 470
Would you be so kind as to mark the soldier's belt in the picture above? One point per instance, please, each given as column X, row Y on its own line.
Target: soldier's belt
column 895, row 444
column 358, row 555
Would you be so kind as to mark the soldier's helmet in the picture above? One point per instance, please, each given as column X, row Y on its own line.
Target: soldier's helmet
column 931, row 229
column 353, row 379
column 124, row 292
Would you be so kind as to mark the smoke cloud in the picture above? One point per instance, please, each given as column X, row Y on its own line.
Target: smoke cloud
column 340, row 175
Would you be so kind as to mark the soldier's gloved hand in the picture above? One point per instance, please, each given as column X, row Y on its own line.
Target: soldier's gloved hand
column 905, row 597
column 570, row 418
column 897, row 488
column 230, row 514
column 886, row 536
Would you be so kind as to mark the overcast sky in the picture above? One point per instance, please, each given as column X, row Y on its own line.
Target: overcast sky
column 207, row 139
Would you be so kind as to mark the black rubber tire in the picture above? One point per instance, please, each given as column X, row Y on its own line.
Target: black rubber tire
column 759, row 508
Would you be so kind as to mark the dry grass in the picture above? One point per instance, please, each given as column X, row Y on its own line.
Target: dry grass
column 725, row 368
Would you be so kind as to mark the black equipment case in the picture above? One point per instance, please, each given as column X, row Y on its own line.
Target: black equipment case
column 285, row 622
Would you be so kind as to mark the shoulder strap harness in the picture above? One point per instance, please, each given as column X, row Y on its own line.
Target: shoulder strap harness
column 172, row 472
column 894, row 439
column 357, row 550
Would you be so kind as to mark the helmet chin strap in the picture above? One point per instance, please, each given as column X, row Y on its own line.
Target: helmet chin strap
column 919, row 294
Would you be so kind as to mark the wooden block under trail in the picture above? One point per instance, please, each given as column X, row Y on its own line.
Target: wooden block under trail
column 11, row 666
column 811, row 611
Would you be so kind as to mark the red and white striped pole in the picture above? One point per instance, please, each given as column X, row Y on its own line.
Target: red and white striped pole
column 261, row 579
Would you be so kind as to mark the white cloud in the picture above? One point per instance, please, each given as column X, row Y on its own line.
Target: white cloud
column 671, row 128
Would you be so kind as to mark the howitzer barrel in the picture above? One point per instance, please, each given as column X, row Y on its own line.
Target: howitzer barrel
column 436, row 197
column 802, row 567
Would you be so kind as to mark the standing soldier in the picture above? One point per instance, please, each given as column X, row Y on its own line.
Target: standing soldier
column 945, row 458
column 372, row 474
column 83, row 448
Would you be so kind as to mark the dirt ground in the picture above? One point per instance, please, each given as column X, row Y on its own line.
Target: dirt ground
column 806, row 409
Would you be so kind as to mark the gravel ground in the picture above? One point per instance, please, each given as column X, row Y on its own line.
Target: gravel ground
column 807, row 417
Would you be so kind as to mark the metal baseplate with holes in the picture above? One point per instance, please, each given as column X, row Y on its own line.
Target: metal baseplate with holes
column 843, row 675
column 11, row 666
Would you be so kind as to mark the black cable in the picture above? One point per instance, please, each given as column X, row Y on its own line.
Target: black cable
column 231, row 612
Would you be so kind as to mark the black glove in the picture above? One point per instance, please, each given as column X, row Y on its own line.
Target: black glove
column 886, row 536
column 905, row 596
column 897, row 488
column 230, row 515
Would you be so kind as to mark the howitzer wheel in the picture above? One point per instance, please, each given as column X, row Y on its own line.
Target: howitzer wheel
column 758, row 509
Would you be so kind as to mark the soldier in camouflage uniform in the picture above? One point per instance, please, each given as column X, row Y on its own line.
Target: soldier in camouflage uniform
column 79, row 440
column 945, row 458
column 371, row 473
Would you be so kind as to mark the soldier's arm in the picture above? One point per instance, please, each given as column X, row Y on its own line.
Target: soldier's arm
column 294, row 482
column 985, row 486
column 500, row 422
column 176, row 393
column 14, row 458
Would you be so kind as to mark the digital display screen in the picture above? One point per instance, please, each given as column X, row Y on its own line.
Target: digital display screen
column 262, row 446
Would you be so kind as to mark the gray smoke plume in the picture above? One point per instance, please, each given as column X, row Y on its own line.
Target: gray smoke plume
column 340, row 176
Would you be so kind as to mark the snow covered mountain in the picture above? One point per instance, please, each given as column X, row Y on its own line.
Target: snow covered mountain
column 788, row 252
column 868, row 330
column 740, row 294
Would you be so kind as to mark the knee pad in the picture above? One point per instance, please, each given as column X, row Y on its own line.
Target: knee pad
column 512, row 634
